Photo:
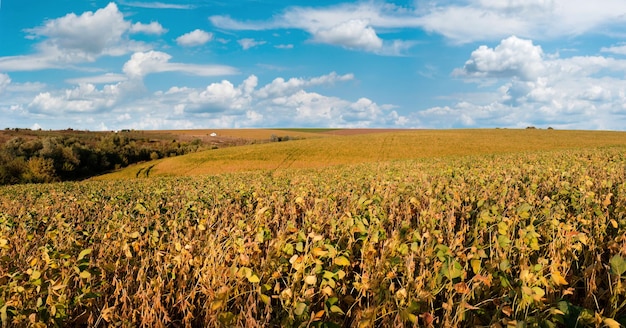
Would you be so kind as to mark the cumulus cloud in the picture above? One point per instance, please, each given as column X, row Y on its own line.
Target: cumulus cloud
column 513, row 57
column 226, row 104
column 280, row 87
column 248, row 43
column 353, row 34
column 144, row 63
column 84, row 98
column 534, row 88
column 91, row 32
column 194, row 38
column 352, row 26
column 459, row 21
column 74, row 39
column 152, row 28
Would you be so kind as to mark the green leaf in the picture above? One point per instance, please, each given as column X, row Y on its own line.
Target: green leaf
column 288, row 249
column 336, row 309
column 4, row 317
column 452, row 270
column 300, row 307
column 84, row 253
column 618, row 265
column 503, row 241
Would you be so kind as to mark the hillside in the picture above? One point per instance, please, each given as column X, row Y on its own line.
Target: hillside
column 349, row 147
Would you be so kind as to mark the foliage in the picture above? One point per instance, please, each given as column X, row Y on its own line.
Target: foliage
column 75, row 156
column 528, row 239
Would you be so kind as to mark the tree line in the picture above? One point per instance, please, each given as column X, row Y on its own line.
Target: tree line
column 67, row 157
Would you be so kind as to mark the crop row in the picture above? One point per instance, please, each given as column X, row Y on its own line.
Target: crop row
column 535, row 238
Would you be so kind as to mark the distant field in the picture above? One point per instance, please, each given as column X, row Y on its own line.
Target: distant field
column 359, row 146
column 251, row 134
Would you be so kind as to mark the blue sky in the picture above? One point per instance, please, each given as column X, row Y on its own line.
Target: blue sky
column 108, row 65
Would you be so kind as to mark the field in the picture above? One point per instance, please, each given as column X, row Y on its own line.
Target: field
column 468, row 228
column 344, row 147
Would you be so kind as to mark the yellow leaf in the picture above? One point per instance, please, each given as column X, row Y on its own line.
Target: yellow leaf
column 217, row 304
column 342, row 261
column 475, row 266
column 608, row 322
column 254, row 278
column 85, row 275
column 265, row 299
column 558, row 278
column 318, row 316
column 310, row 280
column 35, row 275
column 319, row 252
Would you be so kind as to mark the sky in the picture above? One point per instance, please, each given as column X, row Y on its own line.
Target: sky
column 175, row 64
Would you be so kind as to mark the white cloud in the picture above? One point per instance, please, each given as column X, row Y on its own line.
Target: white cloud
column 74, row 39
column 90, row 32
column 513, row 57
column 155, row 5
column 280, row 87
column 618, row 50
column 83, row 98
column 127, row 104
column 534, row 88
column 144, row 63
column 278, row 103
column 352, row 26
column 284, row 46
column 459, row 21
column 99, row 79
column 152, row 28
column 352, row 34
column 5, row 80
column 248, row 43
column 194, row 38
column 538, row 19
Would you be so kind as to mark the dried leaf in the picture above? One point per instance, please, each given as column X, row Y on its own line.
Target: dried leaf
column 310, row 280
